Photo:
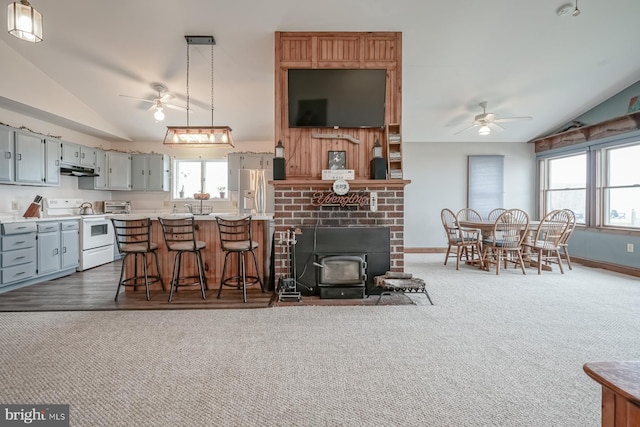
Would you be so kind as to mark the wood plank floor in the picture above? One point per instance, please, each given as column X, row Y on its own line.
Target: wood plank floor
column 95, row 289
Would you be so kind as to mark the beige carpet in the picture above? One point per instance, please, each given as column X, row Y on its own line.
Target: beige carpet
column 492, row 351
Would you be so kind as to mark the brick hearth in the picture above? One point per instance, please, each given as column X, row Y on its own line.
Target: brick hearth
column 293, row 208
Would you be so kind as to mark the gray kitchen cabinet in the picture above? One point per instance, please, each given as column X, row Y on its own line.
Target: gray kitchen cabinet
column 29, row 155
column 76, row 154
column 48, row 244
column 69, row 244
column 6, row 154
column 18, row 252
column 70, row 153
column 150, row 172
column 99, row 182
column 239, row 161
column 88, row 157
column 119, row 171
column 52, row 152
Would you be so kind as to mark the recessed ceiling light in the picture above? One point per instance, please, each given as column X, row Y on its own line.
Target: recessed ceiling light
column 565, row 10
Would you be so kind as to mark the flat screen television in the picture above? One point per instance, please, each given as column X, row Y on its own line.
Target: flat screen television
column 342, row 98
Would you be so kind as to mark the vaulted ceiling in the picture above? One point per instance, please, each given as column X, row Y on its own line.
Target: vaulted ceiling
column 519, row 56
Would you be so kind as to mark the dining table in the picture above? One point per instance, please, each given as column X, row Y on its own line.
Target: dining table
column 486, row 228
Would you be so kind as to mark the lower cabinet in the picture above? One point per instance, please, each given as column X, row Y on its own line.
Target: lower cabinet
column 58, row 246
column 18, row 252
column 70, row 244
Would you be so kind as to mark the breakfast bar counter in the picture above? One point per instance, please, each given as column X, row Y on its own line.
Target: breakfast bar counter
column 212, row 255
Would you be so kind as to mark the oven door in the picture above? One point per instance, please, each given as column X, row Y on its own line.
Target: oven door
column 96, row 232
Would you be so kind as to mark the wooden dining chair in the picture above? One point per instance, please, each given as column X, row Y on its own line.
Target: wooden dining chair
column 466, row 241
column 546, row 242
column 494, row 214
column 468, row 214
column 505, row 243
column 564, row 241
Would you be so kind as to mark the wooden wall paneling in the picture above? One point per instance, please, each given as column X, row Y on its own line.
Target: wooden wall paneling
column 306, row 156
column 338, row 52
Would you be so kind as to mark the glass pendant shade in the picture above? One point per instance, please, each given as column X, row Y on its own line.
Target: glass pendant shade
column 279, row 150
column 24, row 22
column 158, row 115
column 198, row 135
column 484, row 130
column 376, row 153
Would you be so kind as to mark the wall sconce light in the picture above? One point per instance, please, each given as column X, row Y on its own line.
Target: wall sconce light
column 279, row 150
column 376, row 153
column 279, row 164
column 24, row 22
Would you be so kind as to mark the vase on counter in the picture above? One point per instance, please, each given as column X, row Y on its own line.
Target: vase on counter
column 182, row 192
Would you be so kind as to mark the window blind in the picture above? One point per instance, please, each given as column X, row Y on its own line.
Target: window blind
column 485, row 185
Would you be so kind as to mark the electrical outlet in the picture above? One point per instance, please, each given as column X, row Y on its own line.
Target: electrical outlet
column 14, row 205
column 629, row 247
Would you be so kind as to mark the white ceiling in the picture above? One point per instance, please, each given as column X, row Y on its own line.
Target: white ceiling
column 518, row 55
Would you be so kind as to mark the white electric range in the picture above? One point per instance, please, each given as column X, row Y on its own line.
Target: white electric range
column 96, row 231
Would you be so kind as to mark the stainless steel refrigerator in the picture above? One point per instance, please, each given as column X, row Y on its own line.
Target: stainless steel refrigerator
column 256, row 195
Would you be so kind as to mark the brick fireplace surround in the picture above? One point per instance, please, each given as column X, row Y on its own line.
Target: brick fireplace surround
column 293, row 208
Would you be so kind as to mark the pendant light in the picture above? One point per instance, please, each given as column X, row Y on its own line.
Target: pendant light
column 24, row 22
column 199, row 135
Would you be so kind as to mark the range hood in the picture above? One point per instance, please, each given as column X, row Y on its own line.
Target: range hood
column 75, row 170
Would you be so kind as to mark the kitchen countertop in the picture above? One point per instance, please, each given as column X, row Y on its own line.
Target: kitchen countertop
column 8, row 218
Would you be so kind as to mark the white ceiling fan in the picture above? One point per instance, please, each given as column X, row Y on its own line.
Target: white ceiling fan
column 487, row 122
column 159, row 102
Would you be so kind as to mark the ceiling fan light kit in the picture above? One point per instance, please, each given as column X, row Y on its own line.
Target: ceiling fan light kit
column 487, row 122
column 199, row 135
column 24, row 22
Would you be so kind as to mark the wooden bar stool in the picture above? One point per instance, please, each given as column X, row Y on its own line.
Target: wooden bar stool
column 133, row 237
column 180, row 237
column 236, row 239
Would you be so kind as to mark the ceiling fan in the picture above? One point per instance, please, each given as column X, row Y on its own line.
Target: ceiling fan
column 159, row 102
column 486, row 122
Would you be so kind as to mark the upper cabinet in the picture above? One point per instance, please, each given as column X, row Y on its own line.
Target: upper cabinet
column 150, row 172
column 7, row 174
column 239, row 161
column 118, row 171
column 29, row 158
column 52, row 150
column 76, row 154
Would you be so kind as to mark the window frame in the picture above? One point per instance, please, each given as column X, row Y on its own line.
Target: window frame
column 176, row 182
column 597, row 178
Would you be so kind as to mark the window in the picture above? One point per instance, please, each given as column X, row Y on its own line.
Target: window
column 565, row 184
column 621, row 187
column 199, row 176
column 600, row 183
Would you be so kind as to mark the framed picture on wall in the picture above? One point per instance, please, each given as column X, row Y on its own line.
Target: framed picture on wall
column 337, row 160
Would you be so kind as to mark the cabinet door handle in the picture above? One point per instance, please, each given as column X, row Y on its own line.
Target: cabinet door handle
column 64, row 250
column 19, row 156
column 7, row 155
column 57, row 162
column 19, row 257
column 56, row 251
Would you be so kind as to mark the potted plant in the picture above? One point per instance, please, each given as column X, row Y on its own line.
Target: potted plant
column 222, row 192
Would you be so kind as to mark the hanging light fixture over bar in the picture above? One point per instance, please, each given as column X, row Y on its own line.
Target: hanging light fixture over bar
column 24, row 22
column 199, row 135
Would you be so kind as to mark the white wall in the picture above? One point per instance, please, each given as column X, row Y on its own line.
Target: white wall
column 438, row 174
